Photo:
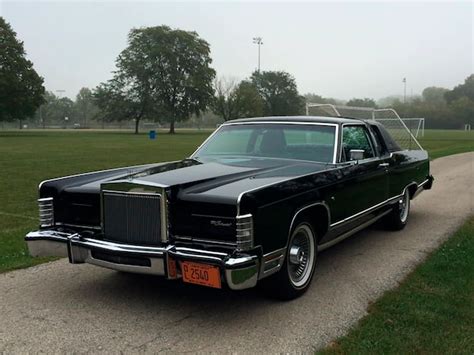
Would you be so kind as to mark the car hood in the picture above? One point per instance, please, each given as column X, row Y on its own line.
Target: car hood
column 221, row 180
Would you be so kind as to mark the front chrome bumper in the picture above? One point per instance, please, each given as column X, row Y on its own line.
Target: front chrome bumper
column 239, row 271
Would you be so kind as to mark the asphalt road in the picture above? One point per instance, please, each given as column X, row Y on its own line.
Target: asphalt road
column 58, row 307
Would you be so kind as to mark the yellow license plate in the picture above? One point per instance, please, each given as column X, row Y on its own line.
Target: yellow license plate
column 201, row 274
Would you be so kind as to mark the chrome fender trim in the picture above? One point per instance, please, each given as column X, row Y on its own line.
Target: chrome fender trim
column 320, row 203
column 272, row 262
column 347, row 234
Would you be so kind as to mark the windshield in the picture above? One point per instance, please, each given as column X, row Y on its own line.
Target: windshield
column 289, row 141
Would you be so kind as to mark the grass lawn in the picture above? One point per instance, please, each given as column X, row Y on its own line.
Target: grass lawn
column 28, row 157
column 440, row 143
column 431, row 312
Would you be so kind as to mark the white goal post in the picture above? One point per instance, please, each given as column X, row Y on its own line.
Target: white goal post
column 415, row 125
column 405, row 131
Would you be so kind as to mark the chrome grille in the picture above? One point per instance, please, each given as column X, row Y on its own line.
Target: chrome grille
column 132, row 218
column 46, row 212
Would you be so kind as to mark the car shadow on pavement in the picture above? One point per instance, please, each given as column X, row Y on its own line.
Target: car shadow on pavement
column 133, row 293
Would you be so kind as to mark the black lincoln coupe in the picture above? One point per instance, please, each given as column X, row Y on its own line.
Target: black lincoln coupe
column 254, row 204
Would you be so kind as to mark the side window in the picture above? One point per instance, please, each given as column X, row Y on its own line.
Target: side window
column 379, row 140
column 356, row 137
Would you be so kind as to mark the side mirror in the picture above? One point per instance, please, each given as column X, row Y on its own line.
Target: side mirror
column 398, row 158
column 356, row 154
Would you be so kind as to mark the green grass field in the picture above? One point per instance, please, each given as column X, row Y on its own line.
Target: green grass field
column 28, row 157
column 431, row 312
column 440, row 142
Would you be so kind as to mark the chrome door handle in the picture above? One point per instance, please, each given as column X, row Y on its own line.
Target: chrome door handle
column 384, row 165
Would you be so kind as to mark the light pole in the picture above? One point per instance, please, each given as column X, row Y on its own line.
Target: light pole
column 404, row 90
column 258, row 42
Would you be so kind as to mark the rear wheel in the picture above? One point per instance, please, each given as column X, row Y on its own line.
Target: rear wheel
column 398, row 217
column 295, row 276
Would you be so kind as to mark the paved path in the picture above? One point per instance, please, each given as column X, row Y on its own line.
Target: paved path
column 58, row 307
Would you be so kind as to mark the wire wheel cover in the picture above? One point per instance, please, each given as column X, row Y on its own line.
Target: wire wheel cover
column 301, row 255
column 404, row 206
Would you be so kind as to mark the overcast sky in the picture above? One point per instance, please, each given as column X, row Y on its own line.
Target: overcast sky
column 343, row 49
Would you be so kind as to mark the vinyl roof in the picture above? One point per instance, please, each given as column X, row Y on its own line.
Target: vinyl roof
column 311, row 119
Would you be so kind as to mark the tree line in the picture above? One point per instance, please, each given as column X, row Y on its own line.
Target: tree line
column 63, row 112
column 165, row 75
column 441, row 108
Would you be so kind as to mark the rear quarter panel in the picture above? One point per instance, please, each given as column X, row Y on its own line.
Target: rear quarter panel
column 409, row 166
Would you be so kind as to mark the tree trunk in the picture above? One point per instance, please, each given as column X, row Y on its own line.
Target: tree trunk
column 172, row 127
column 21, row 126
column 137, row 123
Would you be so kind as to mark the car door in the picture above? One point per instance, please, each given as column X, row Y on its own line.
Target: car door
column 364, row 182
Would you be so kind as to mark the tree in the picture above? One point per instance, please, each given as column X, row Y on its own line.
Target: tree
column 117, row 103
column 237, row 101
column 318, row 99
column 466, row 89
column 389, row 101
column 434, row 95
column 54, row 110
column 248, row 101
column 279, row 93
column 314, row 98
column 463, row 110
column 362, row 103
column 163, row 74
column 64, row 111
column 44, row 111
column 224, row 101
column 84, row 106
column 21, row 88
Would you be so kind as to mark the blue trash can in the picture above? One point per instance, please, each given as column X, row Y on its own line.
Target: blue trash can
column 152, row 134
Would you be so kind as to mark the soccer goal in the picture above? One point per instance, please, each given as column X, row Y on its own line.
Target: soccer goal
column 405, row 131
column 415, row 125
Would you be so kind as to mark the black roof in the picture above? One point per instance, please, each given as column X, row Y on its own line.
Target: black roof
column 314, row 119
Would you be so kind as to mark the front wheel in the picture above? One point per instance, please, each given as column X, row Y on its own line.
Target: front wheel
column 397, row 219
column 295, row 276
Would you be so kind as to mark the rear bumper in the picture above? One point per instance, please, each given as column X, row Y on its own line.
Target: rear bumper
column 425, row 185
column 428, row 183
column 239, row 271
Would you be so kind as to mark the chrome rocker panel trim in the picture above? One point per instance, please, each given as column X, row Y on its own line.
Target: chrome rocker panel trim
column 240, row 271
column 346, row 235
